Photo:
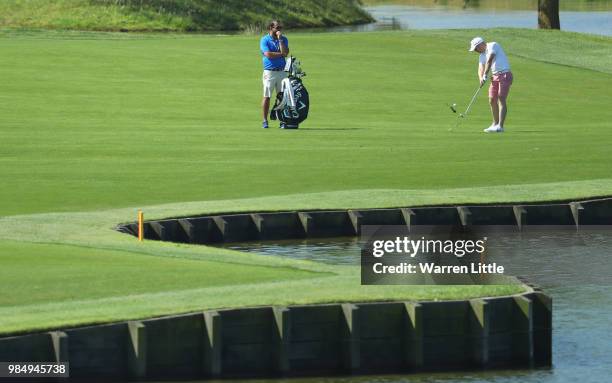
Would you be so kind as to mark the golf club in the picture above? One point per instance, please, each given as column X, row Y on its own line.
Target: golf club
column 472, row 101
column 467, row 110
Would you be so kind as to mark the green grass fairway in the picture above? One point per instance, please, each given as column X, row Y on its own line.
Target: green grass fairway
column 102, row 121
column 95, row 126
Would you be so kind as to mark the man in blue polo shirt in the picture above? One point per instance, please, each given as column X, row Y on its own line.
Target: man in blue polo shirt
column 274, row 48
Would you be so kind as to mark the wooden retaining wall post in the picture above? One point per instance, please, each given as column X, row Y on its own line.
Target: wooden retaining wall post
column 542, row 329
column 282, row 337
column 520, row 214
column 137, row 350
column 576, row 207
column 408, row 215
column 188, row 228
column 221, row 226
column 351, row 338
column 480, row 331
column 464, row 215
column 212, row 344
column 306, row 220
column 59, row 340
column 523, row 324
column 160, row 230
column 413, row 338
column 258, row 220
column 356, row 218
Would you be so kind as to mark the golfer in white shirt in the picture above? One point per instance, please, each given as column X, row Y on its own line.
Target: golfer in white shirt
column 493, row 58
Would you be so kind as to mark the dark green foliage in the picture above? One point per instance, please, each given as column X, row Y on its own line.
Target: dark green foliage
column 202, row 15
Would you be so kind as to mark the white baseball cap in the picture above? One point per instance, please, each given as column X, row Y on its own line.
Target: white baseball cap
column 475, row 42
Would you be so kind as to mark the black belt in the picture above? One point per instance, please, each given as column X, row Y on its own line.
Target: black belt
column 276, row 69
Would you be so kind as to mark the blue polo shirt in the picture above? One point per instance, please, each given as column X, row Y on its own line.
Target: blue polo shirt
column 268, row 44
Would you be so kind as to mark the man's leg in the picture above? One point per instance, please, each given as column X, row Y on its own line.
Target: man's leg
column 493, row 95
column 493, row 101
column 265, row 101
column 503, row 109
column 504, row 88
column 265, row 106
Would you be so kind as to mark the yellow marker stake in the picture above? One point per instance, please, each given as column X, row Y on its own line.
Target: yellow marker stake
column 140, row 225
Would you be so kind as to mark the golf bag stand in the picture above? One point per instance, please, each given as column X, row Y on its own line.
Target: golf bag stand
column 292, row 103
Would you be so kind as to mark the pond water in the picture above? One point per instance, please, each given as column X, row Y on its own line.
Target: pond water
column 573, row 267
column 578, row 16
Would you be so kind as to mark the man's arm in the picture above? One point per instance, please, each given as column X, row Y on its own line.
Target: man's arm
column 273, row 55
column 489, row 63
column 483, row 70
column 284, row 49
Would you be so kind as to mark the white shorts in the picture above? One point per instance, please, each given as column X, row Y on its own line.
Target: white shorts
column 272, row 81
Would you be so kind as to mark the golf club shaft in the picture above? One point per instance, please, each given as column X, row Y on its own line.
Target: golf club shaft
column 473, row 99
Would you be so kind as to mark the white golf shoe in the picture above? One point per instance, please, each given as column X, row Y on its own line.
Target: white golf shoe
column 494, row 129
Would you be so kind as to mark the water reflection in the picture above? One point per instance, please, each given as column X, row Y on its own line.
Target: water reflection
column 339, row 251
column 578, row 16
column 553, row 257
column 514, row 5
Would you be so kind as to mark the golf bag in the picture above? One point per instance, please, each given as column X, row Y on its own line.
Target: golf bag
column 292, row 103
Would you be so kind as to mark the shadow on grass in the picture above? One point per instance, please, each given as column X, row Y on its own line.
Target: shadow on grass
column 331, row 128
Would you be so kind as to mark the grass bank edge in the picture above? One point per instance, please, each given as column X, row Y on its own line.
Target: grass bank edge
column 29, row 319
column 554, row 192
